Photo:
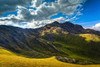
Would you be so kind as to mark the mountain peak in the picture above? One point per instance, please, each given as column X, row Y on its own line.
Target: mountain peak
column 68, row 24
column 66, row 27
column 56, row 22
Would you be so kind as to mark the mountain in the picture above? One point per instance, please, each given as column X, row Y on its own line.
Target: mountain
column 67, row 27
column 63, row 40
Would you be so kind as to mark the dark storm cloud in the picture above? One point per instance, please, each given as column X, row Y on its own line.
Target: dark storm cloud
column 10, row 5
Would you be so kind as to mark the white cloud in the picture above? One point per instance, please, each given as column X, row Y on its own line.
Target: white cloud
column 37, row 24
column 5, row 22
column 36, row 3
column 96, row 27
column 41, row 16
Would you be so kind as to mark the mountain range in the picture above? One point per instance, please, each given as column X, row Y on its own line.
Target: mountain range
column 68, row 42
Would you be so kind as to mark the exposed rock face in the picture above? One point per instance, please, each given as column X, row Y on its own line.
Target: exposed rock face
column 72, row 28
column 75, row 61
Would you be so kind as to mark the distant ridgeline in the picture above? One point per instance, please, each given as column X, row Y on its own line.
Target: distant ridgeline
column 66, row 41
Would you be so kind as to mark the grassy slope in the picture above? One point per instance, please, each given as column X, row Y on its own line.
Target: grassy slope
column 9, row 59
column 91, row 37
column 78, row 48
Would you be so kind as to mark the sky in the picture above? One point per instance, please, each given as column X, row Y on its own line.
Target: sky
column 37, row 13
column 91, row 14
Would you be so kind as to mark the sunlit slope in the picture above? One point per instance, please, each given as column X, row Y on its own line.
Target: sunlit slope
column 91, row 37
column 9, row 59
column 6, row 52
column 77, row 47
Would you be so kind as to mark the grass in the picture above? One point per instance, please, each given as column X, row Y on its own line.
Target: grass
column 9, row 59
column 72, row 46
column 54, row 30
column 91, row 37
column 77, row 47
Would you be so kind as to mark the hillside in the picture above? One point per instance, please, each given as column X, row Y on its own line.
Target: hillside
column 91, row 37
column 9, row 59
column 68, row 42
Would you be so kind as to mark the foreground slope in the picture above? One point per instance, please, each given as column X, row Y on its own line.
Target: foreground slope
column 9, row 59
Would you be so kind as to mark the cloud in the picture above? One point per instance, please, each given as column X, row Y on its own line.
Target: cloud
column 36, row 3
column 36, row 24
column 10, row 5
column 96, row 27
column 44, row 10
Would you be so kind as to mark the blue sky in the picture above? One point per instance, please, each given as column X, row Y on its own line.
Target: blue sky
column 89, row 18
column 91, row 13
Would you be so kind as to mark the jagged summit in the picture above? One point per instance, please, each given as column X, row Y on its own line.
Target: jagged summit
column 67, row 27
column 56, row 22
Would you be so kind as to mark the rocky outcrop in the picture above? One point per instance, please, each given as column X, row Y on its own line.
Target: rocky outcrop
column 74, row 61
